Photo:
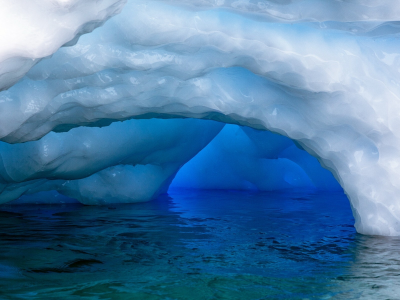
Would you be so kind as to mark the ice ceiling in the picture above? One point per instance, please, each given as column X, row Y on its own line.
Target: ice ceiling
column 323, row 74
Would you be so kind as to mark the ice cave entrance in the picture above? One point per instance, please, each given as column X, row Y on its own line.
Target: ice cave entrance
column 243, row 158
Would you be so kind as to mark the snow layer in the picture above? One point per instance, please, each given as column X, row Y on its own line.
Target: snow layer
column 331, row 84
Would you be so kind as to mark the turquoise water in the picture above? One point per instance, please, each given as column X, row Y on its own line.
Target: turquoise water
column 196, row 245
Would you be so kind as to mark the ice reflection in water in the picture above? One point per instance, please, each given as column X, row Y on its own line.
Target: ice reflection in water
column 196, row 245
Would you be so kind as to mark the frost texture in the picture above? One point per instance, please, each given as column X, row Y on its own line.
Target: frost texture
column 323, row 73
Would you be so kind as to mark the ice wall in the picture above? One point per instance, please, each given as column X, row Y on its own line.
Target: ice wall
column 324, row 73
column 136, row 160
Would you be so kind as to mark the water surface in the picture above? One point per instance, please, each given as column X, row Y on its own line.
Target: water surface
column 196, row 245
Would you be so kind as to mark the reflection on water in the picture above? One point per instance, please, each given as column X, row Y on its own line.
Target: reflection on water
column 196, row 245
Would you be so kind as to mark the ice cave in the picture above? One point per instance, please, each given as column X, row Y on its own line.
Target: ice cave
column 134, row 130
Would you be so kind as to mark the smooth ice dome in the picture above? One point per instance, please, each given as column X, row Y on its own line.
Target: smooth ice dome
column 321, row 73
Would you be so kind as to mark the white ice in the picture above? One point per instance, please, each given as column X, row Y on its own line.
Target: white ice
column 242, row 158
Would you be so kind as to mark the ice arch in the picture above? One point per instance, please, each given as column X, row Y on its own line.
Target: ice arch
column 327, row 79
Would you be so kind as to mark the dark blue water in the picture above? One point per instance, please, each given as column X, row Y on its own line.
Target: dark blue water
column 196, row 245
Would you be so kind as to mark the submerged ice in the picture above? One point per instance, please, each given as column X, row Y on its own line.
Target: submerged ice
column 322, row 73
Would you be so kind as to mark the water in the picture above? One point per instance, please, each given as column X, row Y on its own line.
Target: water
column 196, row 245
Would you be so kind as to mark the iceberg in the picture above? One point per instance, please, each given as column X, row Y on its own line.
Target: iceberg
column 321, row 73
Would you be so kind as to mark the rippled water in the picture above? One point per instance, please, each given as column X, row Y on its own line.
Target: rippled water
column 196, row 245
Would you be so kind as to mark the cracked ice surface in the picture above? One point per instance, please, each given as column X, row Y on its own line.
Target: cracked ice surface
column 324, row 74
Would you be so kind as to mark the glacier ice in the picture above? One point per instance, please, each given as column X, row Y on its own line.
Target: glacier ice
column 323, row 73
